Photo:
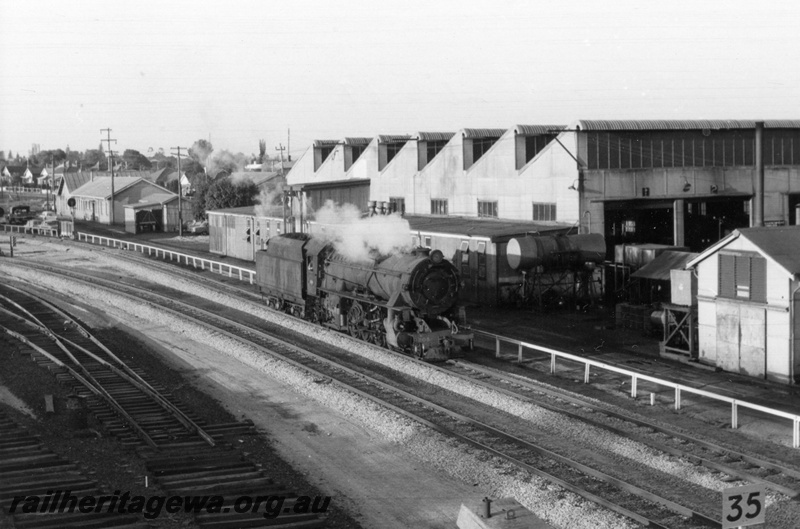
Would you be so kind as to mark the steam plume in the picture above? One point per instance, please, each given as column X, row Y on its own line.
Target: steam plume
column 362, row 239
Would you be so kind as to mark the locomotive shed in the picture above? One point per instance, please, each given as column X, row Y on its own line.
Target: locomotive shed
column 552, row 323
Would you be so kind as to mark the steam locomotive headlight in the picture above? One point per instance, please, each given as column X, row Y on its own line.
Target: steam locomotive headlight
column 437, row 257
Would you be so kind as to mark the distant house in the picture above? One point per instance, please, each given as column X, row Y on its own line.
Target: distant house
column 12, row 172
column 166, row 177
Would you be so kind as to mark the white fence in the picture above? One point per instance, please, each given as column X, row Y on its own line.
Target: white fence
column 635, row 377
column 243, row 274
column 22, row 189
column 49, row 231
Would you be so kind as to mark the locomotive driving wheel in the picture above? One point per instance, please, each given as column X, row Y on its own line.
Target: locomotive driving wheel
column 355, row 322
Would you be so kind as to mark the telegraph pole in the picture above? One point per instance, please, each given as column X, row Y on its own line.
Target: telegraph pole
column 281, row 148
column 52, row 180
column 180, row 193
column 111, row 165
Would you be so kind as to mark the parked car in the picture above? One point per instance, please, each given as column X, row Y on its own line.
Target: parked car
column 197, row 227
column 20, row 215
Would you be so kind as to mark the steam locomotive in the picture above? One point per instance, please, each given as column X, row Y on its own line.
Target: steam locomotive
column 406, row 302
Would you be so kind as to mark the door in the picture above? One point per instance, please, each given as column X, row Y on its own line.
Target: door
column 741, row 338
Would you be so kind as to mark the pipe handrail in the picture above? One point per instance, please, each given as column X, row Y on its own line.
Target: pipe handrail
column 635, row 377
column 213, row 266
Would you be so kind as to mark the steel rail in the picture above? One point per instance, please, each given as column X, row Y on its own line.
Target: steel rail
column 518, row 379
column 527, row 383
column 95, row 282
column 97, row 391
column 126, row 373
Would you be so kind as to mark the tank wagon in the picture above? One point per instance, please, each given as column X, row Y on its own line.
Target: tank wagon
column 406, row 302
column 557, row 268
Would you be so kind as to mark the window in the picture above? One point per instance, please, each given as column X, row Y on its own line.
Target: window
column 742, row 277
column 434, row 147
column 487, row 208
column 535, row 144
column 480, row 146
column 427, row 241
column 397, row 205
column 481, row 260
column 439, row 206
column 392, row 149
column 544, row 211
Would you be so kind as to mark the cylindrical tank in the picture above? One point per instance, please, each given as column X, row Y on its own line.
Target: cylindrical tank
column 555, row 251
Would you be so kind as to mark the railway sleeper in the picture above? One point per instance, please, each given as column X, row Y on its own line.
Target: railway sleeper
column 65, row 467
column 255, row 520
column 21, row 463
column 31, row 479
column 205, row 472
column 82, row 521
column 220, row 478
column 44, row 486
column 230, row 487
column 14, row 442
column 199, row 467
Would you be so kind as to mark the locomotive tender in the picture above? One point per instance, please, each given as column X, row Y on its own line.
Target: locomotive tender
column 406, row 302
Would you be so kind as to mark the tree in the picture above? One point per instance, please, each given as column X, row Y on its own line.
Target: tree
column 92, row 157
column 262, row 150
column 200, row 151
column 221, row 194
column 136, row 160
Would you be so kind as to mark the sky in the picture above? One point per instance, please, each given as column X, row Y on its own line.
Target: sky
column 163, row 73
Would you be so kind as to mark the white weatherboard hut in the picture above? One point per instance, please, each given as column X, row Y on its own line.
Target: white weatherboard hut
column 748, row 303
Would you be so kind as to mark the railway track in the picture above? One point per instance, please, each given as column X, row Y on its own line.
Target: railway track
column 627, row 498
column 780, row 477
column 185, row 456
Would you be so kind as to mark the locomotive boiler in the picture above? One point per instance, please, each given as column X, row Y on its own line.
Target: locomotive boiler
column 407, row 301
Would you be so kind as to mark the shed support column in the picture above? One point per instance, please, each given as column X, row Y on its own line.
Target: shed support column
column 679, row 222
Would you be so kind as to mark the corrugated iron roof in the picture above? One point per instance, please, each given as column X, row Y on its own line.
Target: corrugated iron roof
column 75, row 180
column 357, row 141
column 659, row 268
column 101, row 187
column 779, row 244
column 325, row 143
column 483, row 133
column 393, row 138
column 435, row 136
column 533, row 130
column 712, row 124
column 782, row 244
column 157, row 199
column 494, row 229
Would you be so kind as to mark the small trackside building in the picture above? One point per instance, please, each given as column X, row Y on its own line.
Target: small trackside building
column 748, row 303
column 93, row 199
